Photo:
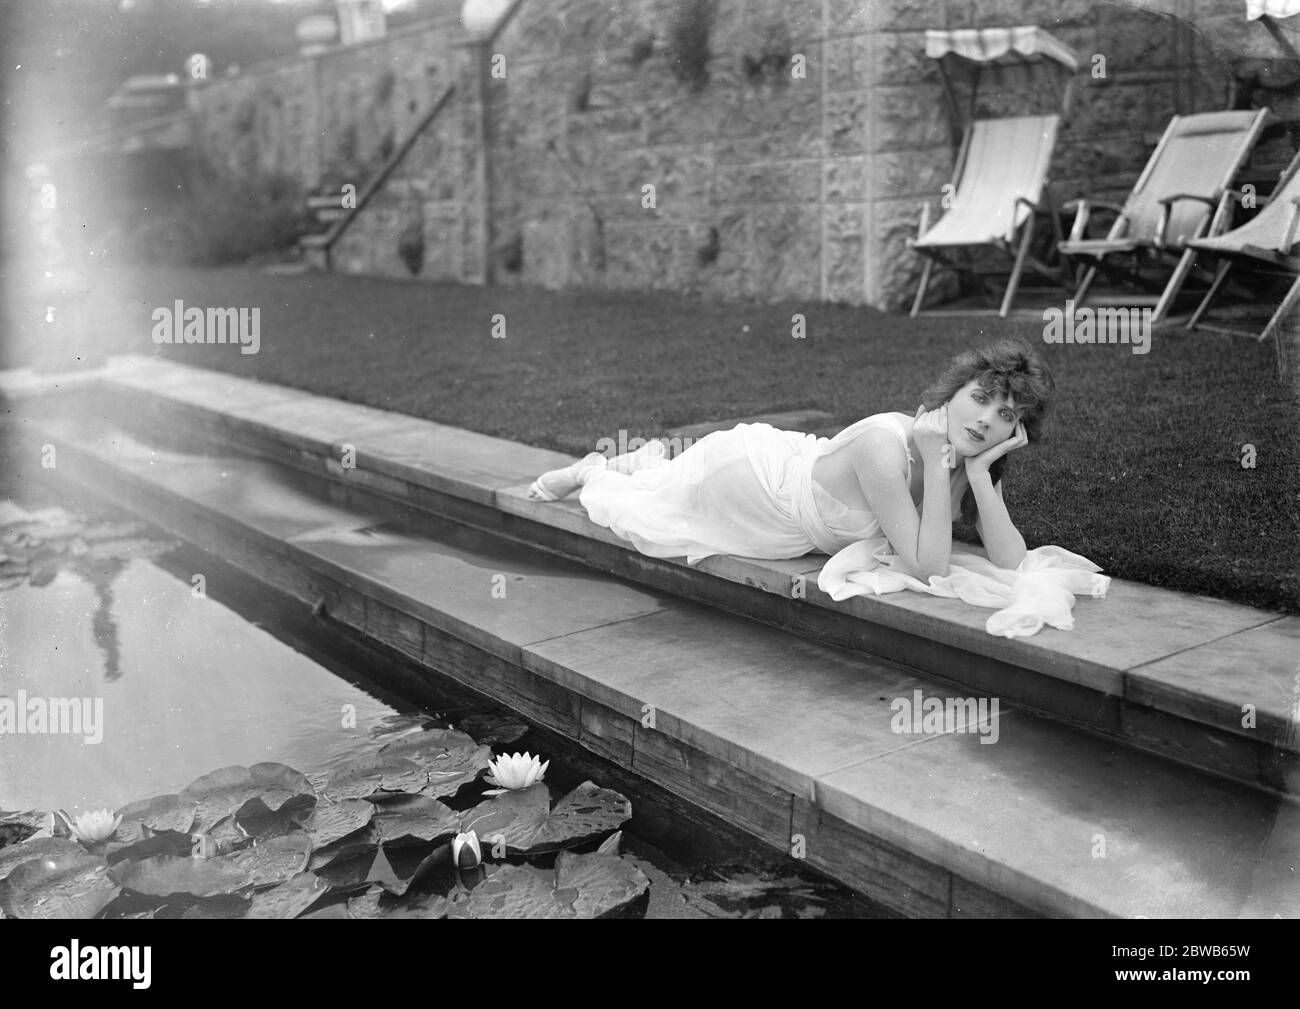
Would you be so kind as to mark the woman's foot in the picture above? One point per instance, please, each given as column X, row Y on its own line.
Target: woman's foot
column 560, row 483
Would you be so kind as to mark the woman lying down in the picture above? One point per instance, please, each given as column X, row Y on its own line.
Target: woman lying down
column 880, row 496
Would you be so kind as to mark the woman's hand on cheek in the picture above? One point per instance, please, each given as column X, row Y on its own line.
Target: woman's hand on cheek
column 930, row 431
column 979, row 464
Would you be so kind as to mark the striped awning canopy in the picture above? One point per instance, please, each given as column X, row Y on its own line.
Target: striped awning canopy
column 1256, row 9
column 1000, row 45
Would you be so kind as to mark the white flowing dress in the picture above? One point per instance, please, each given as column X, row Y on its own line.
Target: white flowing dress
column 750, row 492
column 747, row 491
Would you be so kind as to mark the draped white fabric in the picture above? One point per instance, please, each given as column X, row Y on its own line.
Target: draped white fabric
column 1040, row 591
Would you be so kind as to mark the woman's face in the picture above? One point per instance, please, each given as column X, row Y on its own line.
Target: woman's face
column 978, row 420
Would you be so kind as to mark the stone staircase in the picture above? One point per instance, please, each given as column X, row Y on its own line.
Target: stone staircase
column 315, row 248
column 1123, row 778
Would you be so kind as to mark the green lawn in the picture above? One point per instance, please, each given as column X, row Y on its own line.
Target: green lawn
column 1141, row 469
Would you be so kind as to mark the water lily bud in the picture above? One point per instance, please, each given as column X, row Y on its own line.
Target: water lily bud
column 465, row 850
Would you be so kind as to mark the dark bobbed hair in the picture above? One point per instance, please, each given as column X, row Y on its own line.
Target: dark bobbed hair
column 1009, row 367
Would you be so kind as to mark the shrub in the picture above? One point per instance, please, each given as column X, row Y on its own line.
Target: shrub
column 511, row 254
column 410, row 246
column 220, row 218
column 766, row 52
column 688, row 42
column 642, row 49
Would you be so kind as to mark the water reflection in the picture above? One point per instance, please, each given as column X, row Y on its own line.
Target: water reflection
column 103, row 626
column 186, row 684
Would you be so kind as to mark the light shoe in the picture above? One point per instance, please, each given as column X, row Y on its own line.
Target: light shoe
column 557, row 484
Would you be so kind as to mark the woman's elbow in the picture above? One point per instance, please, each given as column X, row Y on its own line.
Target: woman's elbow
column 1011, row 560
column 924, row 572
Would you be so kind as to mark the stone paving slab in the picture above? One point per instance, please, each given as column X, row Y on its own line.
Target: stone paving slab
column 1259, row 666
column 277, row 503
column 499, row 599
column 188, row 386
column 1025, row 816
column 759, row 698
column 443, row 458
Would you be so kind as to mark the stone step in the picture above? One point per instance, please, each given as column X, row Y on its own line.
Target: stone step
column 1202, row 680
column 800, row 743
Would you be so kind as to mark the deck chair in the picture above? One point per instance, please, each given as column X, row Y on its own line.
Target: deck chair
column 999, row 189
column 1173, row 202
column 1269, row 242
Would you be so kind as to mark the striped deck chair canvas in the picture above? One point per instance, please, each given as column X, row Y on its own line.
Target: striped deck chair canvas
column 999, row 189
column 1268, row 243
column 1172, row 203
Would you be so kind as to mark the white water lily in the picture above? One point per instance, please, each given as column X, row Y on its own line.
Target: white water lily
column 90, row 828
column 465, row 850
column 514, row 771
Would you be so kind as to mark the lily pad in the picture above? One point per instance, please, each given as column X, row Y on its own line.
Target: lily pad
column 450, row 758
column 436, row 906
column 434, row 762
column 416, row 816
column 345, row 865
column 167, row 842
column 289, row 899
column 221, row 792
column 224, row 908
column 600, row 882
column 164, row 875
column 524, row 820
column 329, row 911
column 256, row 819
column 14, row 855
column 512, row 891
column 60, row 886
column 373, row 773
column 274, row 860
column 580, row 886
column 333, row 821
column 18, row 827
column 160, row 813
column 366, row 906
column 494, row 728
column 396, row 871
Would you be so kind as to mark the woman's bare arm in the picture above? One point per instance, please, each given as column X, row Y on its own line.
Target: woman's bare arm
column 923, row 543
column 1005, row 545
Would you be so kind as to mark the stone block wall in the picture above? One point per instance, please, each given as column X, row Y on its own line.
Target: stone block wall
column 769, row 184
column 328, row 117
column 732, row 148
